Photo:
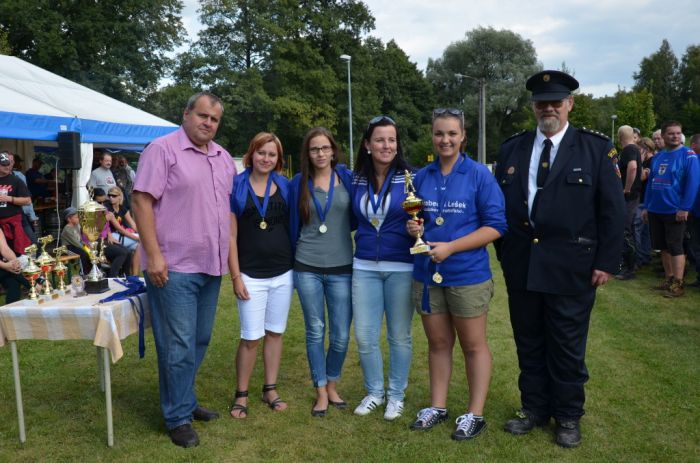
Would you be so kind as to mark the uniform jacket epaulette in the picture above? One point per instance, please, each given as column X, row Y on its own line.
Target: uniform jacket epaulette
column 514, row 136
column 594, row 132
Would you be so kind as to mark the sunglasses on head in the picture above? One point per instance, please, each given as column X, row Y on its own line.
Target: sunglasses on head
column 382, row 118
column 448, row 111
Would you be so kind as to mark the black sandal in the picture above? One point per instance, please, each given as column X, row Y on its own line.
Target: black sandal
column 241, row 409
column 273, row 404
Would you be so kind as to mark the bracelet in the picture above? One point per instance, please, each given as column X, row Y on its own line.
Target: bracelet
column 235, row 277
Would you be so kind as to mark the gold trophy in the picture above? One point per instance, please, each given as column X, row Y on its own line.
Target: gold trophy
column 60, row 269
column 31, row 273
column 413, row 205
column 46, row 263
column 92, row 222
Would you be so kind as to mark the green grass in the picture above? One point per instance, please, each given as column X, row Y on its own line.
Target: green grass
column 643, row 398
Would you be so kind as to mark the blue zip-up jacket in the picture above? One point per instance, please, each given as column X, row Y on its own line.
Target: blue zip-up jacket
column 239, row 193
column 673, row 183
column 345, row 176
column 472, row 199
column 391, row 242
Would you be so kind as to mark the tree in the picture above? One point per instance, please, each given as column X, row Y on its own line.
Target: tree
column 636, row 109
column 658, row 73
column 118, row 47
column 4, row 44
column 504, row 60
column 689, row 89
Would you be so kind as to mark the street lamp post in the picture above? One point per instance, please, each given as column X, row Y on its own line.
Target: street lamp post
column 348, row 58
column 612, row 134
column 482, row 116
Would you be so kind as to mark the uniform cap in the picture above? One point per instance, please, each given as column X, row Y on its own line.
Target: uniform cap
column 551, row 85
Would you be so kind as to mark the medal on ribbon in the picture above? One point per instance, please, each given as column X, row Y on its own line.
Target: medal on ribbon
column 262, row 209
column 377, row 202
column 322, row 213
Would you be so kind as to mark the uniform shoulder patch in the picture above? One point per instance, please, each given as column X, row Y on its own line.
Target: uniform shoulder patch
column 593, row 132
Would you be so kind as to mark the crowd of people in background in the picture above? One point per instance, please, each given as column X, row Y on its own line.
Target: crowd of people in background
column 661, row 180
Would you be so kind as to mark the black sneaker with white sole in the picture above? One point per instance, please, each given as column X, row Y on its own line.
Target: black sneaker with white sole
column 428, row 417
column 469, row 426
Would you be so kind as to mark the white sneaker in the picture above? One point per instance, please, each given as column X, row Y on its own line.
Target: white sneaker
column 394, row 409
column 368, row 404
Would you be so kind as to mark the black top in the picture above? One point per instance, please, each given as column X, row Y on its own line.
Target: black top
column 631, row 153
column 12, row 186
column 264, row 253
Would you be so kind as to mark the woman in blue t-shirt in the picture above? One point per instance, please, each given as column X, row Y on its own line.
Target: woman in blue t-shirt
column 463, row 211
column 381, row 279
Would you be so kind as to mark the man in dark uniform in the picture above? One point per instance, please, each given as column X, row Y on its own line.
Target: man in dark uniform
column 565, row 211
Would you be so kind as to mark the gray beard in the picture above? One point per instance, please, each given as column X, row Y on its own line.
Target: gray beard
column 549, row 125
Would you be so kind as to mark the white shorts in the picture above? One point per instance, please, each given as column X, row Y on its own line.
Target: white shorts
column 268, row 306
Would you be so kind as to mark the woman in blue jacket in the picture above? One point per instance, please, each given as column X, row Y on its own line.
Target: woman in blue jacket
column 463, row 211
column 261, row 266
column 381, row 281
column 321, row 225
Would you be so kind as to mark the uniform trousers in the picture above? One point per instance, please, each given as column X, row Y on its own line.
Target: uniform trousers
column 550, row 332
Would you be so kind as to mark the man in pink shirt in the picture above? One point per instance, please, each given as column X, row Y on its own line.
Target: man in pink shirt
column 181, row 204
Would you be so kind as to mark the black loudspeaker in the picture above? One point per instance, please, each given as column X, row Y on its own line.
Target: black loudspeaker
column 69, row 150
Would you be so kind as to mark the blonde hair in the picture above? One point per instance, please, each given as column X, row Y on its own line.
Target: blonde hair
column 117, row 190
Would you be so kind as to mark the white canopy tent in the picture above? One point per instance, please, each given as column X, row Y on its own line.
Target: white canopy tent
column 35, row 105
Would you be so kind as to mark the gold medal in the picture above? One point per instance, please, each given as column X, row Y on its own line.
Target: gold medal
column 375, row 221
column 437, row 278
column 323, row 228
column 263, row 225
column 439, row 220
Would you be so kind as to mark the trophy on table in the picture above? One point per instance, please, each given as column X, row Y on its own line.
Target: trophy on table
column 46, row 263
column 413, row 205
column 31, row 272
column 60, row 269
column 92, row 222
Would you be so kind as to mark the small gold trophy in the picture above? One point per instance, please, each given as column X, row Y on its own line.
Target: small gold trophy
column 32, row 272
column 46, row 263
column 413, row 205
column 60, row 269
column 92, row 222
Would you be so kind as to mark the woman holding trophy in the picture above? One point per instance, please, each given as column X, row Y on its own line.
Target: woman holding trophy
column 321, row 223
column 463, row 212
column 260, row 261
column 381, row 280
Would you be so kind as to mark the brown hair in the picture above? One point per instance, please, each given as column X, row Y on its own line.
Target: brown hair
column 260, row 140
column 308, row 171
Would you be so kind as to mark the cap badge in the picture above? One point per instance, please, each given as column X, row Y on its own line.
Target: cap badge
column 545, row 77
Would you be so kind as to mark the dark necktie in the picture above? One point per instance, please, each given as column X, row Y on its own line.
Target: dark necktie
column 543, row 169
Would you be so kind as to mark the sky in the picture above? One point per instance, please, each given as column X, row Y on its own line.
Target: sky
column 601, row 41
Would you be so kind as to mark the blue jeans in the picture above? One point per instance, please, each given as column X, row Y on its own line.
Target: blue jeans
column 373, row 295
column 182, row 317
column 316, row 290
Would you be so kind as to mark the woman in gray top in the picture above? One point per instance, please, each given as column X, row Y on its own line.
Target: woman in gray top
column 322, row 223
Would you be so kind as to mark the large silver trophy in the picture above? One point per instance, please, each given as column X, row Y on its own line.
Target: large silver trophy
column 92, row 221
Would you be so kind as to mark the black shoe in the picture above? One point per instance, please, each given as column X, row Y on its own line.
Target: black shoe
column 625, row 276
column 318, row 413
column 468, row 427
column 342, row 405
column 524, row 422
column 568, row 433
column 203, row 414
column 427, row 418
column 184, row 436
